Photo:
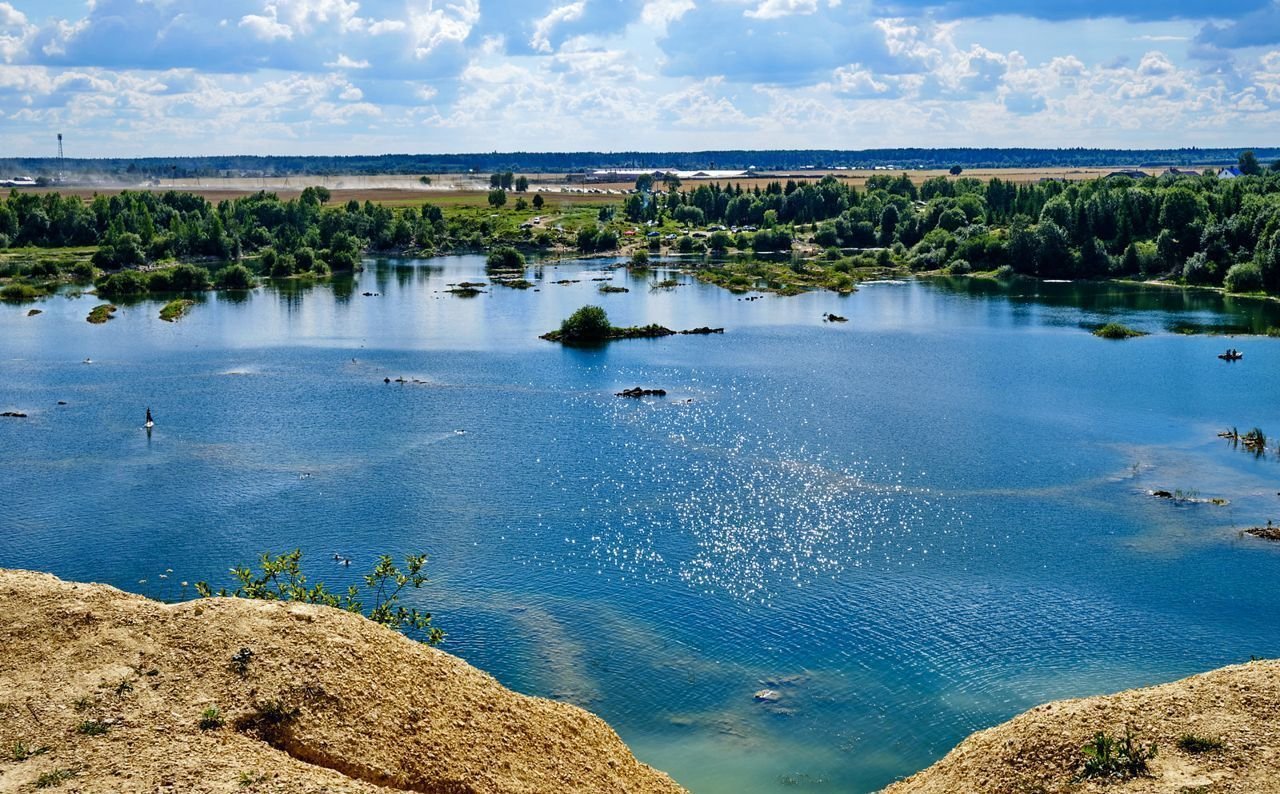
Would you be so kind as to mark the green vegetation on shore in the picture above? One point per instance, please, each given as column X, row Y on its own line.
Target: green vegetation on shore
column 280, row 578
column 784, row 237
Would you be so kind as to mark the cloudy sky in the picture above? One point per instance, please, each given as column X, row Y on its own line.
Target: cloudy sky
column 141, row 77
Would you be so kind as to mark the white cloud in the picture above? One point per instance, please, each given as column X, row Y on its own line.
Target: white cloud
column 266, row 28
column 660, row 13
column 343, row 62
column 542, row 28
column 11, row 17
column 773, row 9
column 433, row 27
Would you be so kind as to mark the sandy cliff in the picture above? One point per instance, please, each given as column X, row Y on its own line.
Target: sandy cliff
column 114, row 685
column 1040, row 750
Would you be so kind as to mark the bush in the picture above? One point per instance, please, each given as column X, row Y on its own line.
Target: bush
column 504, row 258
column 640, row 259
column 18, row 293
column 1121, row 758
column 124, row 283
column 587, row 325
column 82, row 272
column 959, row 267
column 1198, row 269
column 281, row 579
column 304, row 259
column 234, row 277
column 1244, row 277
column 1191, row 743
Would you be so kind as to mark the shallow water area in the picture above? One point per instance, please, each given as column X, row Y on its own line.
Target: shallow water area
column 905, row 527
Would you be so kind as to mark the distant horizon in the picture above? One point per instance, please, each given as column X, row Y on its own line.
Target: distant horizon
column 719, row 160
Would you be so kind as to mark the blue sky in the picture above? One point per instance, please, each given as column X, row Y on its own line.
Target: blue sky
column 171, row 77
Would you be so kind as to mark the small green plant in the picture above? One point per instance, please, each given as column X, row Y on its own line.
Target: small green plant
column 281, row 579
column 241, row 658
column 55, row 778
column 1117, row 331
column 270, row 720
column 20, row 752
column 1118, row 758
column 248, row 779
column 124, row 687
column 211, row 719
column 83, row 703
column 93, row 728
column 1191, row 743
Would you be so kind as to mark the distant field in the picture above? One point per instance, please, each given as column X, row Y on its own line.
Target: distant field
column 468, row 190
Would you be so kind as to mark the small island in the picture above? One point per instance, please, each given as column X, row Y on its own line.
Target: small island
column 590, row 326
column 1117, row 331
column 176, row 309
column 101, row 313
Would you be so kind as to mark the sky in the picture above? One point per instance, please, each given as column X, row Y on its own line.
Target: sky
column 123, row 78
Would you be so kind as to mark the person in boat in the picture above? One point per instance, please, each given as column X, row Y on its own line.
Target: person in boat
column 150, row 421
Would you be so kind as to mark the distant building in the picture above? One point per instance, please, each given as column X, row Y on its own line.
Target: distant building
column 1175, row 171
column 1134, row 174
column 1230, row 172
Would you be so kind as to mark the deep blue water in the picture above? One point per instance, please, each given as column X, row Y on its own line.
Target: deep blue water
column 912, row 525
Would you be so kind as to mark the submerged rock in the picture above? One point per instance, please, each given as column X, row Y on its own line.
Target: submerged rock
column 639, row 392
column 1269, row 532
column 14, row 414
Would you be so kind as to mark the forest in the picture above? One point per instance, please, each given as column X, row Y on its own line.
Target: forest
column 1192, row 229
column 568, row 162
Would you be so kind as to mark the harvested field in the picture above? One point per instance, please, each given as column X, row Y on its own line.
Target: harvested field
column 467, row 190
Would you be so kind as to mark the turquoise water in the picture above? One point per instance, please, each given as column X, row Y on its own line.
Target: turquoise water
column 911, row 525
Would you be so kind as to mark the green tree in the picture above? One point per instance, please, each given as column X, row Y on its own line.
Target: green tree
column 587, row 325
column 956, row 170
column 522, row 184
column 497, row 198
column 888, row 225
column 644, row 183
column 537, row 201
column 1248, row 163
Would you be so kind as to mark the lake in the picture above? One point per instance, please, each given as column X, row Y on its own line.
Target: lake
column 908, row 526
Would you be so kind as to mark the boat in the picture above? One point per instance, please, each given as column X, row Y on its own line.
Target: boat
column 150, row 422
column 1231, row 355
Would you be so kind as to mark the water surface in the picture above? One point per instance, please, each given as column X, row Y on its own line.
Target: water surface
column 910, row 526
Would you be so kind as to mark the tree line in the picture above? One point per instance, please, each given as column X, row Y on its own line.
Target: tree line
column 566, row 162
